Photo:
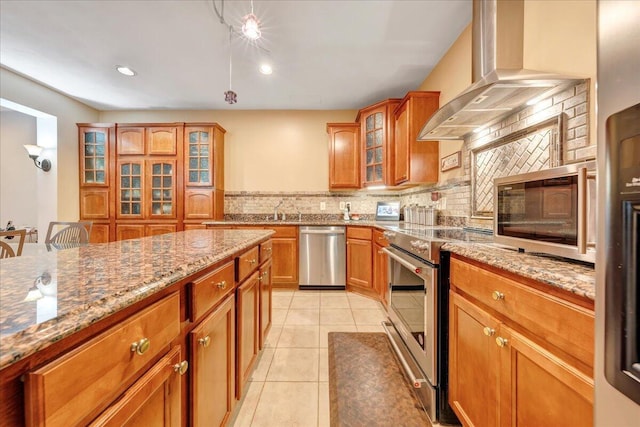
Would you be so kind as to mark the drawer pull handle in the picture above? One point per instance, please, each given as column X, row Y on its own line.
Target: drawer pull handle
column 489, row 331
column 502, row 342
column 497, row 295
column 264, row 275
column 222, row 285
column 141, row 346
column 267, row 249
column 381, row 252
column 205, row 341
column 181, row 367
column 251, row 261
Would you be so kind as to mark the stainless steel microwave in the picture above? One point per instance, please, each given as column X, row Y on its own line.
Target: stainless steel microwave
column 552, row 211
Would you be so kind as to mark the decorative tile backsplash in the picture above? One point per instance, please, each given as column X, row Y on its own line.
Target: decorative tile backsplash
column 553, row 132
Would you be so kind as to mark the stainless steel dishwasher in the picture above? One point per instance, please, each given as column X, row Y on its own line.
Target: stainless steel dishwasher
column 322, row 257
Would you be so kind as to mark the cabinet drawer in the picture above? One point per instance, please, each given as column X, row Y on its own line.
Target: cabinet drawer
column 363, row 233
column 284, row 231
column 379, row 239
column 211, row 288
column 69, row 390
column 266, row 249
column 247, row 263
column 554, row 320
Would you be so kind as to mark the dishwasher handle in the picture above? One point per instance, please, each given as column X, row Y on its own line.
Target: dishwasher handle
column 332, row 232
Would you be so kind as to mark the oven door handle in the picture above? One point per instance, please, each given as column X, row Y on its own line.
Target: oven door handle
column 402, row 261
column 415, row 381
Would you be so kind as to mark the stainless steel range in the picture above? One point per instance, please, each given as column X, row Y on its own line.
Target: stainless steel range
column 418, row 286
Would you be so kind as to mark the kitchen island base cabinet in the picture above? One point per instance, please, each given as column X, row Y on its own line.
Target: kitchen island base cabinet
column 511, row 363
column 154, row 400
column 247, row 314
column 213, row 361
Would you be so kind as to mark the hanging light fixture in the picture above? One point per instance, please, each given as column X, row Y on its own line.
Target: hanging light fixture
column 251, row 26
column 230, row 96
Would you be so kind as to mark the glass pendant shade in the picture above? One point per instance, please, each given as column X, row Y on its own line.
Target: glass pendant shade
column 33, row 150
column 251, row 27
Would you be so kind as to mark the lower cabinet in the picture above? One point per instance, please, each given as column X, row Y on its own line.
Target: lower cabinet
column 501, row 373
column 359, row 259
column 380, row 266
column 247, row 327
column 265, row 302
column 84, row 383
column 213, row 362
column 154, row 400
column 137, row 231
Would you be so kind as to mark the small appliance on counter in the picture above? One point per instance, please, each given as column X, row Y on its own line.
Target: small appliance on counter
column 388, row 211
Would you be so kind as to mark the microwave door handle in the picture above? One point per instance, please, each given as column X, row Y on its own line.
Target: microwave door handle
column 400, row 260
column 582, row 210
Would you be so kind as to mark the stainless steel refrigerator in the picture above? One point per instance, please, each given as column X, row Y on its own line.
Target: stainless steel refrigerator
column 617, row 363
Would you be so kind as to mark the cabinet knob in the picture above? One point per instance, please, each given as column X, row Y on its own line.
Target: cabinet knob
column 222, row 285
column 181, row 367
column 205, row 341
column 267, row 249
column 502, row 342
column 140, row 347
column 497, row 295
column 264, row 275
column 488, row 331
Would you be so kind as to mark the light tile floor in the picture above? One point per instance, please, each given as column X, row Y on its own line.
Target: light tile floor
column 289, row 386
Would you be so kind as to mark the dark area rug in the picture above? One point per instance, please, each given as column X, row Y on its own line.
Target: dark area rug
column 366, row 384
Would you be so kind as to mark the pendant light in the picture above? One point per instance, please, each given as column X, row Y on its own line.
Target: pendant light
column 230, row 96
column 251, row 26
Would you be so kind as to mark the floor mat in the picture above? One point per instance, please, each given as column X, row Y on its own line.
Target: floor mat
column 366, row 384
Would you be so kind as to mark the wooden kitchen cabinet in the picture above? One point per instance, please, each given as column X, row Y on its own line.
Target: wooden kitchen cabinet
column 359, row 260
column 380, row 266
column 145, row 179
column 79, row 385
column 213, row 366
column 264, row 277
column 415, row 162
column 344, row 155
column 377, row 125
column 96, row 169
column 527, row 351
column 203, row 172
column 247, row 324
column 154, row 400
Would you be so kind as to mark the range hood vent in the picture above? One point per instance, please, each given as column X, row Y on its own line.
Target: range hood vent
column 501, row 86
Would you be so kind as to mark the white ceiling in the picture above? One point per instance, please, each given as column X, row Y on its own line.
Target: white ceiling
column 325, row 54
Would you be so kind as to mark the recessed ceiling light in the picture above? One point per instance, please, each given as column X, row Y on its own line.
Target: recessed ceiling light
column 125, row 70
column 266, row 69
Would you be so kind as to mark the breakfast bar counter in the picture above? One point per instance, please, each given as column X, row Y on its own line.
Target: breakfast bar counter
column 47, row 296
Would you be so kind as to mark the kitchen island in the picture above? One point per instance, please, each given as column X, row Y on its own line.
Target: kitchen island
column 56, row 306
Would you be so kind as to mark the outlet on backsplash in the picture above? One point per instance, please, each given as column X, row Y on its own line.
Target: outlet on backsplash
column 342, row 206
column 323, row 206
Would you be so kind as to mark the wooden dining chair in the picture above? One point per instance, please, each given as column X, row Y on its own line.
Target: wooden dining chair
column 18, row 237
column 65, row 234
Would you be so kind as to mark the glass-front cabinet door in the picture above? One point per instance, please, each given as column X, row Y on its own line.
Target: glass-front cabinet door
column 130, row 189
column 199, row 159
column 374, row 146
column 94, row 156
column 161, row 181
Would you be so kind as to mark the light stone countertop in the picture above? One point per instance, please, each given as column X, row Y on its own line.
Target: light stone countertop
column 574, row 277
column 94, row 281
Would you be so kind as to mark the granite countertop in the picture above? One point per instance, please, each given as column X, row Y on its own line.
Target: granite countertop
column 570, row 276
column 574, row 277
column 91, row 282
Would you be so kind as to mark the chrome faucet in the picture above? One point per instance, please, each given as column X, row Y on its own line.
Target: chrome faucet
column 275, row 210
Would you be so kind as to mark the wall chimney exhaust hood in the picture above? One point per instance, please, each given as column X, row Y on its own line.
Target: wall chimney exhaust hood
column 501, row 86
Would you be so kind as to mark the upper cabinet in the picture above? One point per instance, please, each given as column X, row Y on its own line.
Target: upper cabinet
column 203, row 172
column 415, row 162
column 143, row 179
column 344, row 155
column 377, row 130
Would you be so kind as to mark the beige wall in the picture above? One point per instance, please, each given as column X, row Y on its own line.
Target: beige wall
column 267, row 150
column 451, row 76
column 18, row 198
column 560, row 37
column 26, row 92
